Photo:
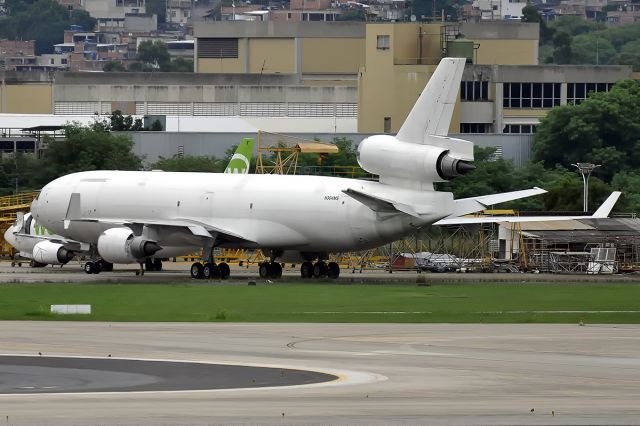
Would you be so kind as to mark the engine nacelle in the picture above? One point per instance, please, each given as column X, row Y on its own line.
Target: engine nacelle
column 387, row 156
column 48, row 252
column 120, row 245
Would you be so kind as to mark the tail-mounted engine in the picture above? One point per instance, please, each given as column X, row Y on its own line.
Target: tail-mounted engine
column 120, row 245
column 389, row 157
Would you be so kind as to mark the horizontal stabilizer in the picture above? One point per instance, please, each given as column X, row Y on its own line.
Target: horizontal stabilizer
column 376, row 204
column 475, row 204
column 601, row 213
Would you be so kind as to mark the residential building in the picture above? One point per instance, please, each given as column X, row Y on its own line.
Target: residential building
column 111, row 13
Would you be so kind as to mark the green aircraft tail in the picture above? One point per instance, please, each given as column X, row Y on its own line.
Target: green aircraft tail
column 240, row 161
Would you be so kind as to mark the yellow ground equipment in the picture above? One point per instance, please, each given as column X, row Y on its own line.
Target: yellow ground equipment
column 10, row 205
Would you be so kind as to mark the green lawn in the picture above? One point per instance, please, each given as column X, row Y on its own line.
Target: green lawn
column 490, row 303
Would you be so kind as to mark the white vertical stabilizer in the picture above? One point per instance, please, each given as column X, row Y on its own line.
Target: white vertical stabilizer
column 431, row 115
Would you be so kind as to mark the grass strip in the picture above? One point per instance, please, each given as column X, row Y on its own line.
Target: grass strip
column 394, row 303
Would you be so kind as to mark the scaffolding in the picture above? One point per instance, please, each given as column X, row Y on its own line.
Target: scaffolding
column 285, row 151
column 10, row 205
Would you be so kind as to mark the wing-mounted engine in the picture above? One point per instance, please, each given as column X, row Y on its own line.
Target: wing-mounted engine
column 120, row 245
column 50, row 253
column 396, row 161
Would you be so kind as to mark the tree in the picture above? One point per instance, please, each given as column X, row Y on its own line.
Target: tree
column 41, row 20
column 190, row 164
column 157, row 7
column 154, row 54
column 113, row 66
column 630, row 55
column 121, row 123
column 605, row 129
column 592, row 49
column 181, row 65
column 91, row 147
column 530, row 14
column 562, row 53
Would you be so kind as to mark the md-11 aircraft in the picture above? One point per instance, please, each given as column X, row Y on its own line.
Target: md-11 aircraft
column 128, row 217
column 42, row 247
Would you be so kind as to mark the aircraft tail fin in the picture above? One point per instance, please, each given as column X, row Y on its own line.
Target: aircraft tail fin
column 241, row 159
column 432, row 112
column 606, row 207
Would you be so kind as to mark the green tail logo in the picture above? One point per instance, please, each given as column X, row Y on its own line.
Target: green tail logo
column 242, row 158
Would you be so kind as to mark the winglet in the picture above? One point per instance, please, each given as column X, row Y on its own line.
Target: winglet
column 606, row 207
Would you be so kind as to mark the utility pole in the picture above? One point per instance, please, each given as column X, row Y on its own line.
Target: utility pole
column 585, row 170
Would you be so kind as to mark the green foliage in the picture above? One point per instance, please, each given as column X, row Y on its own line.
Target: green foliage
column 113, row 66
column 154, row 54
column 88, row 148
column 157, row 7
column 85, row 148
column 41, row 20
column 630, row 55
column 190, row 164
column 181, row 65
column 352, row 15
column 592, row 49
column 604, row 129
column 121, row 123
column 530, row 14
column 575, row 40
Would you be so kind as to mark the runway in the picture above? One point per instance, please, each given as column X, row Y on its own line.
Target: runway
column 389, row 373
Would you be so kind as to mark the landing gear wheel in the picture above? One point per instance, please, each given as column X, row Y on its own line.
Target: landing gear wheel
column 306, row 270
column 157, row 264
column 196, row 270
column 333, row 270
column 225, row 271
column 210, row 270
column 320, row 269
column 264, row 270
column 276, row 270
column 92, row 267
column 148, row 265
column 105, row 266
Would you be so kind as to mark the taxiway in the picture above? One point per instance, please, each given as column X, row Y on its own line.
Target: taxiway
column 389, row 373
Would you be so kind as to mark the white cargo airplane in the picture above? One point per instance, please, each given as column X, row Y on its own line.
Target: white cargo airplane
column 130, row 216
column 36, row 243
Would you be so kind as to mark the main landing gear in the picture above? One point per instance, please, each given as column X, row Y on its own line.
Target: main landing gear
column 97, row 266
column 320, row 270
column 270, row 270
column 210, row 270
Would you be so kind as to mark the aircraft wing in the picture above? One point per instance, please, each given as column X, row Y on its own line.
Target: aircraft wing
column 602, row 212
column 195, row 227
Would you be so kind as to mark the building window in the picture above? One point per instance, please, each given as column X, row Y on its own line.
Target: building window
column 519, row 128
column 387, row 124
column 475, row 128
column 531, row 95
column 383, row 42
column 217, row 48
column 578, row 92
column 474, row 91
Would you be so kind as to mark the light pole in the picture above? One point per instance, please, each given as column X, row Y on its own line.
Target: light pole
column 585, row 170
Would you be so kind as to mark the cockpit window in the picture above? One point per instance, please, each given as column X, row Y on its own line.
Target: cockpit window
column 27, row 225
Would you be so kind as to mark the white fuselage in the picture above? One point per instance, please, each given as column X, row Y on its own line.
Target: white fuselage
column 302, row 213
